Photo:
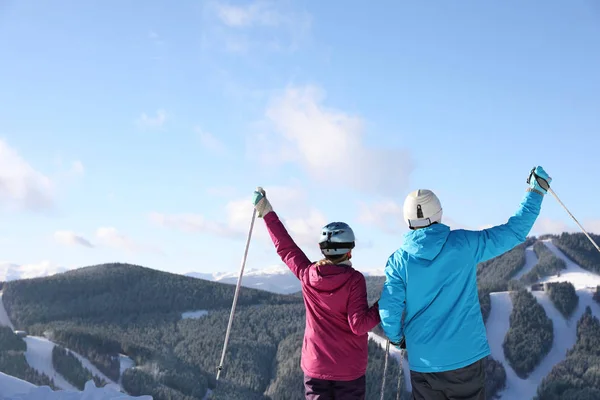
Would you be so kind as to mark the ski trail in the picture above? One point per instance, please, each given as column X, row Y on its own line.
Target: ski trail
column 39, row 357
column 579, row 277
column 4, row 320
column 95, row 371
column 398, row 355
column 531, row 261
column 124, row 363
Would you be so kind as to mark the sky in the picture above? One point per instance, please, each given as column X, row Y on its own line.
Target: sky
column 138, row 134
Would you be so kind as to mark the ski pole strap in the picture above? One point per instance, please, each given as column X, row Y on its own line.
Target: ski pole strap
column 541, row 181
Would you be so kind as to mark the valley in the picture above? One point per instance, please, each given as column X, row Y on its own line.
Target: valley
column 147, row 332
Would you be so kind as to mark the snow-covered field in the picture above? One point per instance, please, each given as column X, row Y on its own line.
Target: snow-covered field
column 12, row 388
column 194, row 314
column 39, row 357
column 564, row 329
column 4, row 320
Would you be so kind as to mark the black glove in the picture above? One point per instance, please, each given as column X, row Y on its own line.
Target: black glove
column 400, row 345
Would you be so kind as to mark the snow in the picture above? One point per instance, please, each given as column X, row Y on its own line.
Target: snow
column 398, row 355
column 12, row 388
column 4, row 320
column 565, row 333
column 95, row 371
column 530, row 261
column 125, row 363
column 579, row 277
column 11, row 272
column 277, row 279
column 194, row 314
column 39, row 357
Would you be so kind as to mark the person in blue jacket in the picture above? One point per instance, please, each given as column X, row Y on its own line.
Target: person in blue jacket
column 432, row 280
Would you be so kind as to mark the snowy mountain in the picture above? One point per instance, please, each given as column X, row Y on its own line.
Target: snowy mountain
column 276, row 278
column 11, row 272
column 565, row 336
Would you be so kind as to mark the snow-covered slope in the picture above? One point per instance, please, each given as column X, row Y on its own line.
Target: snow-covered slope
column 39, row 357
column 11, row 272
column 579, row 277
column 530, row 261
column 4, row 320
column 564, row 329
column 12, row 388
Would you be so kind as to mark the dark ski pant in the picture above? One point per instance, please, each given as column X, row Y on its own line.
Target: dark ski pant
column 467, row 383
column 319, row 389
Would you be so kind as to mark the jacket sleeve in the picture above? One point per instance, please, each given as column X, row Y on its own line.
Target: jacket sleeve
column 360, row 317
column 393, row 299
column 286, row 248
column 492, row 242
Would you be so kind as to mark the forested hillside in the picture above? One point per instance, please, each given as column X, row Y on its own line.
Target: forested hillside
column 105, row 310
column 578, row 248
column 13, row 362
column 548, row 264
column 530, row 335
column 578, row 376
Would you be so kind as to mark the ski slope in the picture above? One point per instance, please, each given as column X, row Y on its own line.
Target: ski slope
column 579, row 277
column 530, row 261
column 12, row 388
column 565, row 334
column 39, row 357
column 4, row 320
column 194, row 314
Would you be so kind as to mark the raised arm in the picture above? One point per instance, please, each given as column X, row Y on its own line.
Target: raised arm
column 492, row 242
column 286, row 248
column 361, row 318
column 393, row 299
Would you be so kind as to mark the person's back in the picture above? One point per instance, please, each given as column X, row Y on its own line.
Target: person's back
column 432, row 280
column 338, row 318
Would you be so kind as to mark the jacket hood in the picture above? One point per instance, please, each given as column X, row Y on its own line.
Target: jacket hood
column 426, row 243
column 330, row 277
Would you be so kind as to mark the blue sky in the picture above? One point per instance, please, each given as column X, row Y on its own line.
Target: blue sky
column 138, row 134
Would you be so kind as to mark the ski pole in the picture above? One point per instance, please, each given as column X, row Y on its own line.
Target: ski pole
column 399, row 377
column 574, row 219
column 235, row 296
column 385, row 364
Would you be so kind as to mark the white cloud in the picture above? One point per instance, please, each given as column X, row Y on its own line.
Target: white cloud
column 258, row 26
column 256, row 13
column 289, row 202
column 544, row 225
column 329, row 144
column 21, row 186
column 69, row 238
column 210, row 142
column 77, row 168
column 157, row 121
column 111, row 237
column 387, row 215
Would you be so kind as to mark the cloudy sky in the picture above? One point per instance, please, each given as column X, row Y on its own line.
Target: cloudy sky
column 138, row 134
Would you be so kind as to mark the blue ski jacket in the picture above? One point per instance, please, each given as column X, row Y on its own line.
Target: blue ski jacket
column 433, row 277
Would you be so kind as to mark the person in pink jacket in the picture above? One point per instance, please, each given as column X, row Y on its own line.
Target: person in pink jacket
column 338, row 317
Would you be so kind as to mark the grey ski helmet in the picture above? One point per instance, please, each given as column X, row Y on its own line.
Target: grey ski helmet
column 337, row 238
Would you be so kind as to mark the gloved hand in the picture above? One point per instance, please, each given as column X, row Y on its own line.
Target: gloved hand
column 261, row 203
column 539, row 180
column 401, row 345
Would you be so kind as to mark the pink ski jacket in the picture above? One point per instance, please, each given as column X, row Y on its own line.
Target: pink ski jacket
column 338, row 316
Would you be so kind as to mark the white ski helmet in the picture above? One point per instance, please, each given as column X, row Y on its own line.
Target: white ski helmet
column 422, row 208
column 337, row 238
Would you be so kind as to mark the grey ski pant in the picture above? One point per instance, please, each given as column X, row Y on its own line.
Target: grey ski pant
column 467, row 383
